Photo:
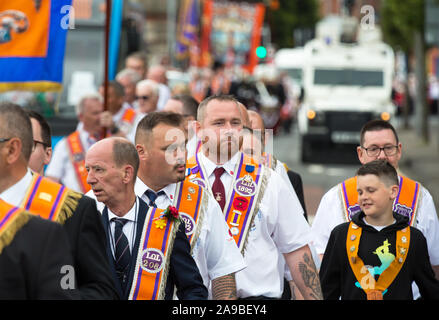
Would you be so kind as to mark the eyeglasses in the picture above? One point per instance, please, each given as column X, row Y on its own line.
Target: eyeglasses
column 36, row 142
column 375, row 151
column 5, row 139
column 142, row 98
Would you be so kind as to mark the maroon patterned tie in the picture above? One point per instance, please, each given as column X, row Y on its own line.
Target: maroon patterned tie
column 218, row 188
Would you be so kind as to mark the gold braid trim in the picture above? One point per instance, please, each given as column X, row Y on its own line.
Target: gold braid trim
column 69, row 206
column 9, row 233
column 203, row 208
column 161, row 292
column 265, row 177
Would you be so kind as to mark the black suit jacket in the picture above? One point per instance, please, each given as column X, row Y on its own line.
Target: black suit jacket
column 87, row 240
column 296, row 181
column 183, row 271
column 31, row 266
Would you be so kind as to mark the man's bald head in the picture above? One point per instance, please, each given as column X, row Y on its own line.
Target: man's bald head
column 256, row 121
column 122, row 151
column 244, row 114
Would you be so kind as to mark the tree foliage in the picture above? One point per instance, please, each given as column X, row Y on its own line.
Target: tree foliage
column 399, row 20
column 291, row 15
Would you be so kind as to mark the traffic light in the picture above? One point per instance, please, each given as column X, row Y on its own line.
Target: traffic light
column 261, row 52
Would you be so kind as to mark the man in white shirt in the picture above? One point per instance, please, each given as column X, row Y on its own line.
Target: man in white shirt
column 277, row 224
column 157, row 73
column 187, row 106
column 128, row 78
column 42, row 151
column 120, row 119
column 147, row 94
column 66, row 165
column 161, row 145
column 379, row 140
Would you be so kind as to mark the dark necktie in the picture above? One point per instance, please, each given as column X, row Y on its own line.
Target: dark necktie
column 218, row 188
column 122, row 255
column 152, row 196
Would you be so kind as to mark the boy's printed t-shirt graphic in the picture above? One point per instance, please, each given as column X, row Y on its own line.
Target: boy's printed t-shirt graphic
column 386, row 258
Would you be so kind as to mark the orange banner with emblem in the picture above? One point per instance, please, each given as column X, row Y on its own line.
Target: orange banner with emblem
column 153, row 257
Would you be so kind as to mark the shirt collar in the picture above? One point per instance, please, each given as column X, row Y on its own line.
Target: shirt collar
column 140, row 187
column 16, row 193
column 118, row 115
column 130, row 215
column 229, row 166
column 85, row 136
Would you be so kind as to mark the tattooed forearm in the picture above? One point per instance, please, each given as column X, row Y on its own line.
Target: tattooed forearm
column 310, row 277
column 293, row 290
column 224, row 288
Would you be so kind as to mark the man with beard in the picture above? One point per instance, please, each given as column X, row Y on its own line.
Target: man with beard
column 265, row 218
column 161, row 145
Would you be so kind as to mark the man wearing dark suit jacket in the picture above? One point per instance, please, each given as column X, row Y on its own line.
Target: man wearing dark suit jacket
column 35, row 262
column 296, row 181
column 112, row 166
column 77, row 213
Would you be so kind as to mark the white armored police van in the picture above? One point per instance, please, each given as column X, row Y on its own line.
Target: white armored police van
column 347, row 81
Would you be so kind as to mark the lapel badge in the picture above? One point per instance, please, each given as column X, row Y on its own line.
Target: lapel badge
column 249, row 168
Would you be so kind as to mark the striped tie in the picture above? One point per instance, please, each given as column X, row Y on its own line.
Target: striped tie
column 122, row 253
column 152, row 196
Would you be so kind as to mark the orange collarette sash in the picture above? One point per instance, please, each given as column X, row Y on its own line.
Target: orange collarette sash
column 405, row 204
column 47, row 199
column 127, row 121
column 12, row 219
column 244, row 197
column 190, row 200
column 153, row 257
column 77, row 157
column 375, row 289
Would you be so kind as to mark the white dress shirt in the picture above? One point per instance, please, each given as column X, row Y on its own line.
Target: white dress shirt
column 128, row 129
column 61, row 167
column 279, row 227
column 15, row 194
column 215, row 251
column 191, row 146
column 129, row 229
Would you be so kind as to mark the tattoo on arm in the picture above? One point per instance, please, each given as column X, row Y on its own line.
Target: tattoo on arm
column 310, row 277
column 293, row 291
column 224, row 288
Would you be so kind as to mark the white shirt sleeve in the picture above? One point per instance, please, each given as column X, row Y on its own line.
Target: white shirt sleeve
column 280, row 168
column 222, row 255
column 428, row 223
column 60, row 158
column 289, row 229
column 329, row 214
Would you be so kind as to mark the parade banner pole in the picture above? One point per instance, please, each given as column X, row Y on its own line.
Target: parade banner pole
column 107, row 37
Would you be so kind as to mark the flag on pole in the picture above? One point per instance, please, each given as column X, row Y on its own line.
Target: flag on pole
column 187, row 33
column 32, row 44
column 115, row 29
